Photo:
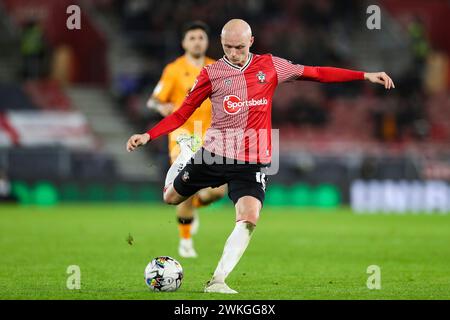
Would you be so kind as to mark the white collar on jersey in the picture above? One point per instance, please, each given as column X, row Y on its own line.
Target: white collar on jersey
column 249, row 59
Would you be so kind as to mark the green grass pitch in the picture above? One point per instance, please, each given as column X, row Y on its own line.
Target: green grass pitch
column 294, row 253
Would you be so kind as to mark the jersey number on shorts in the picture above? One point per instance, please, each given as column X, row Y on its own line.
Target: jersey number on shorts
column 261, row 178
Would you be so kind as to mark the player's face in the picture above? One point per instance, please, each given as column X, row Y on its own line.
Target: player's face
column 195, row 43
column 236, row 48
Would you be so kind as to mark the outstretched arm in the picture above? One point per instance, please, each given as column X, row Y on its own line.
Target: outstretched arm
column 288, row 71
column 331, row 74
column 199, row 92
column 166, row 125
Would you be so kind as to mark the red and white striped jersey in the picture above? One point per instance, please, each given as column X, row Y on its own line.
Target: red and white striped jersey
column 242, row 103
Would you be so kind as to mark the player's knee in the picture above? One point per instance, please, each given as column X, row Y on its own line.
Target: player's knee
column 171, row 198
column 247, row 209
column 250, row 214
column 168, row 199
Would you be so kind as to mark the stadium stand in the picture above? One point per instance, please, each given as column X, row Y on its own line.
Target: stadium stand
column 101, row 77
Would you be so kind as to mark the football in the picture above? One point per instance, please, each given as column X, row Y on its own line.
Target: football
column 163, row 274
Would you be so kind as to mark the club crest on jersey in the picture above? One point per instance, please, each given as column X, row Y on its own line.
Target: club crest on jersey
column 261, row 77
column 185, row 176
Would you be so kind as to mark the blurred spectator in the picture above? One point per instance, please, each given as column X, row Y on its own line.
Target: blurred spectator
column 437, row 72
column 33, row 50
column 420, row 50
column 419, row 42
column 62, row 65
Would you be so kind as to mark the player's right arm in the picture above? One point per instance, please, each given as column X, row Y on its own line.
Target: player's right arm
column 199, row 92
column 161, row 96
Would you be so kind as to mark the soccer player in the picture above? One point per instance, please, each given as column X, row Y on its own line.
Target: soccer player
column 237, row 146
column 177, row 79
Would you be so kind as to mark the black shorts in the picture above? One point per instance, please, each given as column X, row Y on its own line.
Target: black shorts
column 243, row 179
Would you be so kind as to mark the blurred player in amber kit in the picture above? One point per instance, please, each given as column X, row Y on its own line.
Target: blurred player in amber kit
column 176, row 81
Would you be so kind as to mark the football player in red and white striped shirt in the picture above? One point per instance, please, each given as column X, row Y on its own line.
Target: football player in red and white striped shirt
column 237, row 146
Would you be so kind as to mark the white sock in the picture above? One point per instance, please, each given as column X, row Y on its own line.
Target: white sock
column 178, row 165
column 235, row 246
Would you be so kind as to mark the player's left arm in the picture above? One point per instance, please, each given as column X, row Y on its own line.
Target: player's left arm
column 332, row 74
column 381, row 78
column 288, row 71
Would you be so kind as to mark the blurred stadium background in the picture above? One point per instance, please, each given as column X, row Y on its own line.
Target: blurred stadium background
column 69, row 100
